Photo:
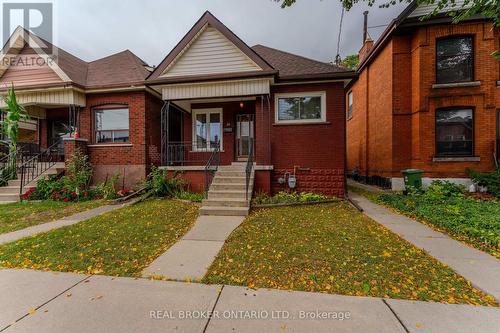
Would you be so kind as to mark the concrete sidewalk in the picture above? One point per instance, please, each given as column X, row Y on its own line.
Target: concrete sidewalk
column 69, row 220
column 34, row 301
column 190, row 258
column 480, row 268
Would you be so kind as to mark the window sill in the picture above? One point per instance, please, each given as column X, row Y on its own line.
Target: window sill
column 456, row 85
column 102, row 145
column 457, row 159
column 204, row 151
column 303, row 123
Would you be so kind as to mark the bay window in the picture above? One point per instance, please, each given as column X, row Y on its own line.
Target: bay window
column 207, row 129
column 454, row 132
column 111, row 125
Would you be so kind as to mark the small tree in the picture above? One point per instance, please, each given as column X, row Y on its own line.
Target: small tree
column 13, row 113
column 350, row 61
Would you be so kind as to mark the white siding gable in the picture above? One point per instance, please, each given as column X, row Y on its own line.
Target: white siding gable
column 210, row 52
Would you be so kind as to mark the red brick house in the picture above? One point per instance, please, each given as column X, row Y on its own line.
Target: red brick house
column 427, row 97
column 212, row 101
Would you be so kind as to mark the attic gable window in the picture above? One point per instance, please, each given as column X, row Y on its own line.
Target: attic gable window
column 309, row 107
column 454, row 59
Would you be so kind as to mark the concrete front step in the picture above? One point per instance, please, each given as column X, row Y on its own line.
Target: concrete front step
column 225, row 202
column 228, row 194
column 9, row 197
column 224, row 211
column 228, row 187
column 11, row 189
column 230, row 173
column 225, row 180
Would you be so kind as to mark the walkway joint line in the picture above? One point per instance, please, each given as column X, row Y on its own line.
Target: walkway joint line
column 397, row 317
column 46, row 302
column 213, row 309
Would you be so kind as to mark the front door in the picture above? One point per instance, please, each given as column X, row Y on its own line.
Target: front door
column 244, row 135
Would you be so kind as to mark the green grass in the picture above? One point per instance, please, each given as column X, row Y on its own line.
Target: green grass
column 121, row 243
column 334, row 249
column 475, row 222
column 20, row 215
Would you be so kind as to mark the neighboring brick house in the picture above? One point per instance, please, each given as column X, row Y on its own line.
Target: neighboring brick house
column 427, row 97
column 211, row 90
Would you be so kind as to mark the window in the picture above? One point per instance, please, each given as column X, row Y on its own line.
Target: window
column 349, row 105
column 207, row 129
column 454, row 60
column 307, row 107
column 454, row 132
column 111, row 125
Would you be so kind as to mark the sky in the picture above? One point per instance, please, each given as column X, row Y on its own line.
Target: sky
column 91, row 29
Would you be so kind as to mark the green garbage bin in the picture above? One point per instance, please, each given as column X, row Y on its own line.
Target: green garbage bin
column 412, row 177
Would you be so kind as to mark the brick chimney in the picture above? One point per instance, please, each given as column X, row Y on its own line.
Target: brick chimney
column 367, row 41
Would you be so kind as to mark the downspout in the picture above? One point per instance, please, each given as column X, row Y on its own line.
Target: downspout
column 270, row 128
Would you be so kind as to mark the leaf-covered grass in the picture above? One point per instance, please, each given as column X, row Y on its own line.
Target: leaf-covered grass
column 334, row 249
column 476, row 222
column 122, row 242
column 20, row 215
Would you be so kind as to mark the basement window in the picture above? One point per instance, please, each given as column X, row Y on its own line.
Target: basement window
column 112, row 125
column 300, row 108
column 454, row 132
column 454, row 60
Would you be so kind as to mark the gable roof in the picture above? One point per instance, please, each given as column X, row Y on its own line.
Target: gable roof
column 199, row 26
column 121, row 69
column 291, row 66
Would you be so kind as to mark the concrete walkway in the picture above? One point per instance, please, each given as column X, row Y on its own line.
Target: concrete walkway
column 190, row 258
column 480, row 268
column 69, row 220
column 34, row 301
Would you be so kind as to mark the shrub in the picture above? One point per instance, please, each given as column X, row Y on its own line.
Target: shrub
column 489, row 179
column 287, row 197
column 161, row 185
column 78, row 173
column 107, row 189
column 191, row 196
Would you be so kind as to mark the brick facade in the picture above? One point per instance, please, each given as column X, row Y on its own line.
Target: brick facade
column 133, row 159
column 394, row 109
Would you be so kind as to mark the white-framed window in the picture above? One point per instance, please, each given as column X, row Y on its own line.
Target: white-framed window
column 306, row 107
column 349, row 105
column 207, row 129
column 111, row 124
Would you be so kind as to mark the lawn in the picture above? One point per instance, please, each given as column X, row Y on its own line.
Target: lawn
column 20, row 215
column 334, row 249
column 121, row 243
column 476, row 222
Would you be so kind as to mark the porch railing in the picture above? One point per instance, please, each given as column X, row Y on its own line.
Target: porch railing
column 7, row 168
column 32, row 166
column 249, row 167
column 211, row 167
column 187, row 153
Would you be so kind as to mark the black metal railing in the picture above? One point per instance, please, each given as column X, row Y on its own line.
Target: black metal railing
column 211, row 167
column 187, row 153
column 7, row 168
column 249, row 167
column 32, row 166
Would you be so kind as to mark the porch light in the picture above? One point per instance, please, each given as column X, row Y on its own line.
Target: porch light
column 242, row 105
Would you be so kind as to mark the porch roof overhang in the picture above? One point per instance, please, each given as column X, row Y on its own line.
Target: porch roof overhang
column 49, row 97
column 216, row 89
